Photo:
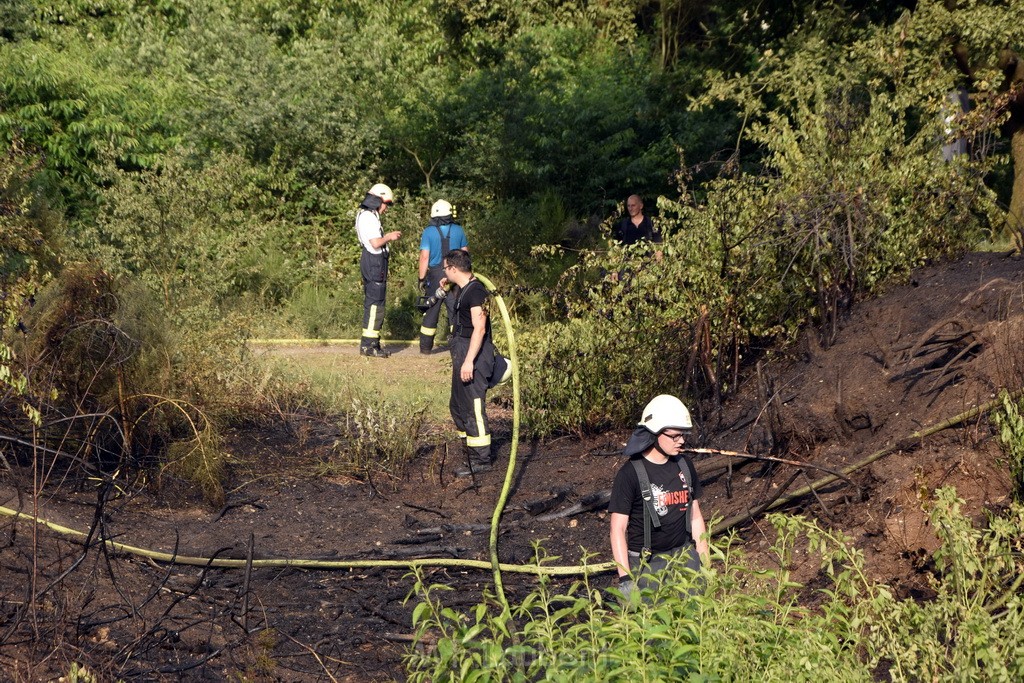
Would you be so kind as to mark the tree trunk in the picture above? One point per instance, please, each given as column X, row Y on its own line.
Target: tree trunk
column 1013, row 68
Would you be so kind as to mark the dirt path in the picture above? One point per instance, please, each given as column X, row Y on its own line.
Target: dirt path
column 924, row 352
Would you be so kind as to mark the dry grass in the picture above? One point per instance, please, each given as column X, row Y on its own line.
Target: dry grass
column 338, row 374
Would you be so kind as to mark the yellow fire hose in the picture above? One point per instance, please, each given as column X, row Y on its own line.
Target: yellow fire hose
column 538, row 570
column 499, row 507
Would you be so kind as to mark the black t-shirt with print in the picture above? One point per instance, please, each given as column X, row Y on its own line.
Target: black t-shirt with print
column 673, row 489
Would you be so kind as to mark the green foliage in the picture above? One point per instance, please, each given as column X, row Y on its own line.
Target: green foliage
column 319, row 313
column 80, row 674
column 594, row 373
column 743, row 625
column 15, row 18
column 972, row 629
column 82, row 112
column 94, row 337
column 1009, row 420
column 199, row 458
column 28, row 234
column 191, row 234
column 747, row 623
column 108, row 376
column 215, row 150
column 852, row 193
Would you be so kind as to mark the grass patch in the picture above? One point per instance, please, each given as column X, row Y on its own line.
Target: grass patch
column 340, row 378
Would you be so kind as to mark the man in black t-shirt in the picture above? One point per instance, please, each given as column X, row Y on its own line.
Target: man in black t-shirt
column 656, row 445
column 472, row 361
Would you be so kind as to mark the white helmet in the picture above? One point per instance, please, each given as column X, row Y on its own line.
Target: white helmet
column 663, row 412
column 383, row 191
column 440, row 208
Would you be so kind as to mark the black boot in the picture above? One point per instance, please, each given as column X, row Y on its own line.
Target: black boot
column 478, row 464
column 372, row 349
column 426, row 343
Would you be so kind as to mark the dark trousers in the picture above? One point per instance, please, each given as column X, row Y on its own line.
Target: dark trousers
column 468, row 403
column 374, row 294
column 657, row 562
column 428, row 329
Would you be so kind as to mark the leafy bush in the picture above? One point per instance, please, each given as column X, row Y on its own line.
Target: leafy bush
column 742, row 626
column 320, row 313
column 1010, row 423
column 851, row 193
column 974, row 627
column 28, row 231
column 85, row 112
column 200, row 460
column 189, row 233
column 595, row 373
column 119, row 392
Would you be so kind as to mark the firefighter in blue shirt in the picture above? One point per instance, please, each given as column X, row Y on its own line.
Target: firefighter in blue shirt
column 440, row 236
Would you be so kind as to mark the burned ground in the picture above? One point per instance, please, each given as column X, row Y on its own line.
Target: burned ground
column 923, row 352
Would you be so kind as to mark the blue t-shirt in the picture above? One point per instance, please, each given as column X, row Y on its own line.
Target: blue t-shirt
column 432, row 240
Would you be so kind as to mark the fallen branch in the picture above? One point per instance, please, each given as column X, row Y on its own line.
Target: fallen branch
column 536, row 507
column 425, row 538
column 453, row 528
column 770, row 458
column 587, row 503
column 423, row 509
column 422, row 552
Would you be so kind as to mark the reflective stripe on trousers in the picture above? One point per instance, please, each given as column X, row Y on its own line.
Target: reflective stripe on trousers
column 468, row 403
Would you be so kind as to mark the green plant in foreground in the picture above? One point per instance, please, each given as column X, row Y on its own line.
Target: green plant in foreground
column 734, row 629
column 79, row 674
column 1010, row 423
column 974, row 627
column 735, row 622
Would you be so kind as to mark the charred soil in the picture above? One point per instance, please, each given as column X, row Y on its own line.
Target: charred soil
column 923, row 352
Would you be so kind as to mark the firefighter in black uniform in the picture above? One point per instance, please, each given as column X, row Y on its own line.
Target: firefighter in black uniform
column 373, row 265
column 472, row 362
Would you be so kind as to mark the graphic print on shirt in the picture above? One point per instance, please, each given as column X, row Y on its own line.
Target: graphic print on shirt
column 663, row 499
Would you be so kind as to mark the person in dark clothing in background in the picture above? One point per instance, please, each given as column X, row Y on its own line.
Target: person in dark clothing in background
column 635, row 226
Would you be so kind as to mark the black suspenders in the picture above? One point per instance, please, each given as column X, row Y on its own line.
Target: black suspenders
column 446, row 241
column 650, row 513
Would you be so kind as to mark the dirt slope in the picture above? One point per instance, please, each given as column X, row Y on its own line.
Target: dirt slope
column 920, row 354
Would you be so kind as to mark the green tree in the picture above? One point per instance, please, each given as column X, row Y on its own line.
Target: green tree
column 80, row 112
column 195, row 235
column 28, row 233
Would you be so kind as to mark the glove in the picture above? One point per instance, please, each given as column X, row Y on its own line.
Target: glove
column 625, row 587
column 423, row 285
